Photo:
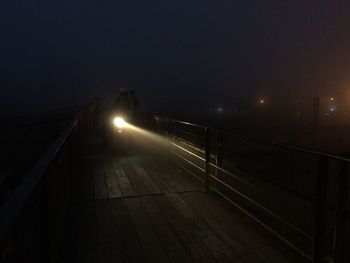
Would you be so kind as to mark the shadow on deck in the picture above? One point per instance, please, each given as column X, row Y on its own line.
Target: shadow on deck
column 140, row 206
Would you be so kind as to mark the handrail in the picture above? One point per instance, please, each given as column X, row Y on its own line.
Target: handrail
column 286, row 146
column 318, row 202
column 263, row 141
column 20, row 196
column 178, row 121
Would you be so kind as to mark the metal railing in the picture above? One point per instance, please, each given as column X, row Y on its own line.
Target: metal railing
column 34, row 219
column 23, row 143
column 301, row 196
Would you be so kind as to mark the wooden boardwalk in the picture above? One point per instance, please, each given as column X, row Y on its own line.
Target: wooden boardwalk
column 144, row 208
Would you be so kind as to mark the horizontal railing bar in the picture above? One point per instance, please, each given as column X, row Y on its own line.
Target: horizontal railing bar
column 188, row 161
column 272, row 214
column 285, row 146
column 187, row 170
column 286, row 241
column 215, row 166
column 189, row 152
column 188, row 133
column 301, row 196
column 267, row 142
column 190, row 144
column 188, row 123
column 178, row 121
column 294, row 247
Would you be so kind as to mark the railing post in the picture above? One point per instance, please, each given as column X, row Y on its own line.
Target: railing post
column 168, row 129
column 175, row 130
column 168, row 138
column 315, row 120
column 320, row 210
column 155, row 124
column 340, row 225
column 207, row 159
column 219, row 153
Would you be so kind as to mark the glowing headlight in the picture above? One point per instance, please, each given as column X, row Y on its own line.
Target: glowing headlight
column 119, row 122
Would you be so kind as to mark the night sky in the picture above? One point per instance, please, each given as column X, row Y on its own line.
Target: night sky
column 189, row 52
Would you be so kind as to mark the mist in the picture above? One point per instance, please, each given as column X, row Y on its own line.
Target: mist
column 195, row 54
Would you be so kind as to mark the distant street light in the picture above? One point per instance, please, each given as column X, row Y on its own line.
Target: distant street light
column 262, row 101
column 332, row 106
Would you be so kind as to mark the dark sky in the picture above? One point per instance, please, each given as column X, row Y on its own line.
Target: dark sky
column 185, row 52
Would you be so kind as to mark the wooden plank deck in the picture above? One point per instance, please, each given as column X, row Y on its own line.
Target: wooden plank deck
column 143, row 208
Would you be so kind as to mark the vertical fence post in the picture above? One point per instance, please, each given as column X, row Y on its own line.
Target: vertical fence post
column 315, row 120
column 320, row 210
column 207, row 159
column 340, row 224
column 175, row 130
column 168, row 138
column 168, row 123
column 219, row 153
column 155, row 124
column 239, row 114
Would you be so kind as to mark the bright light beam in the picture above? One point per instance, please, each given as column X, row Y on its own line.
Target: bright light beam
column 119, row 122
column 146, row 139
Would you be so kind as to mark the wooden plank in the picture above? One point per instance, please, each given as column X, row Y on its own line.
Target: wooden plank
column 159, row 181
column 75, row 181
column 123, row 181
column 185, row 179
column 174, row 248
column 235, row 228
column 99, row 182
column 160, row 167
column 113, row 188
column 70, row 252
column 174, row 185
column 108, row 247
column 192, row 179
column 83, row 182
column 144, row 176
column 188, row 181
column 198, row 251
column 218, row 248
column 130, row 246
column 88, row 182
column 134, row 179
column 86, row 245
column 153, row 249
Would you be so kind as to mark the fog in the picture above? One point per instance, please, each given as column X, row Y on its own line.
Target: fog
column 193, row 54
